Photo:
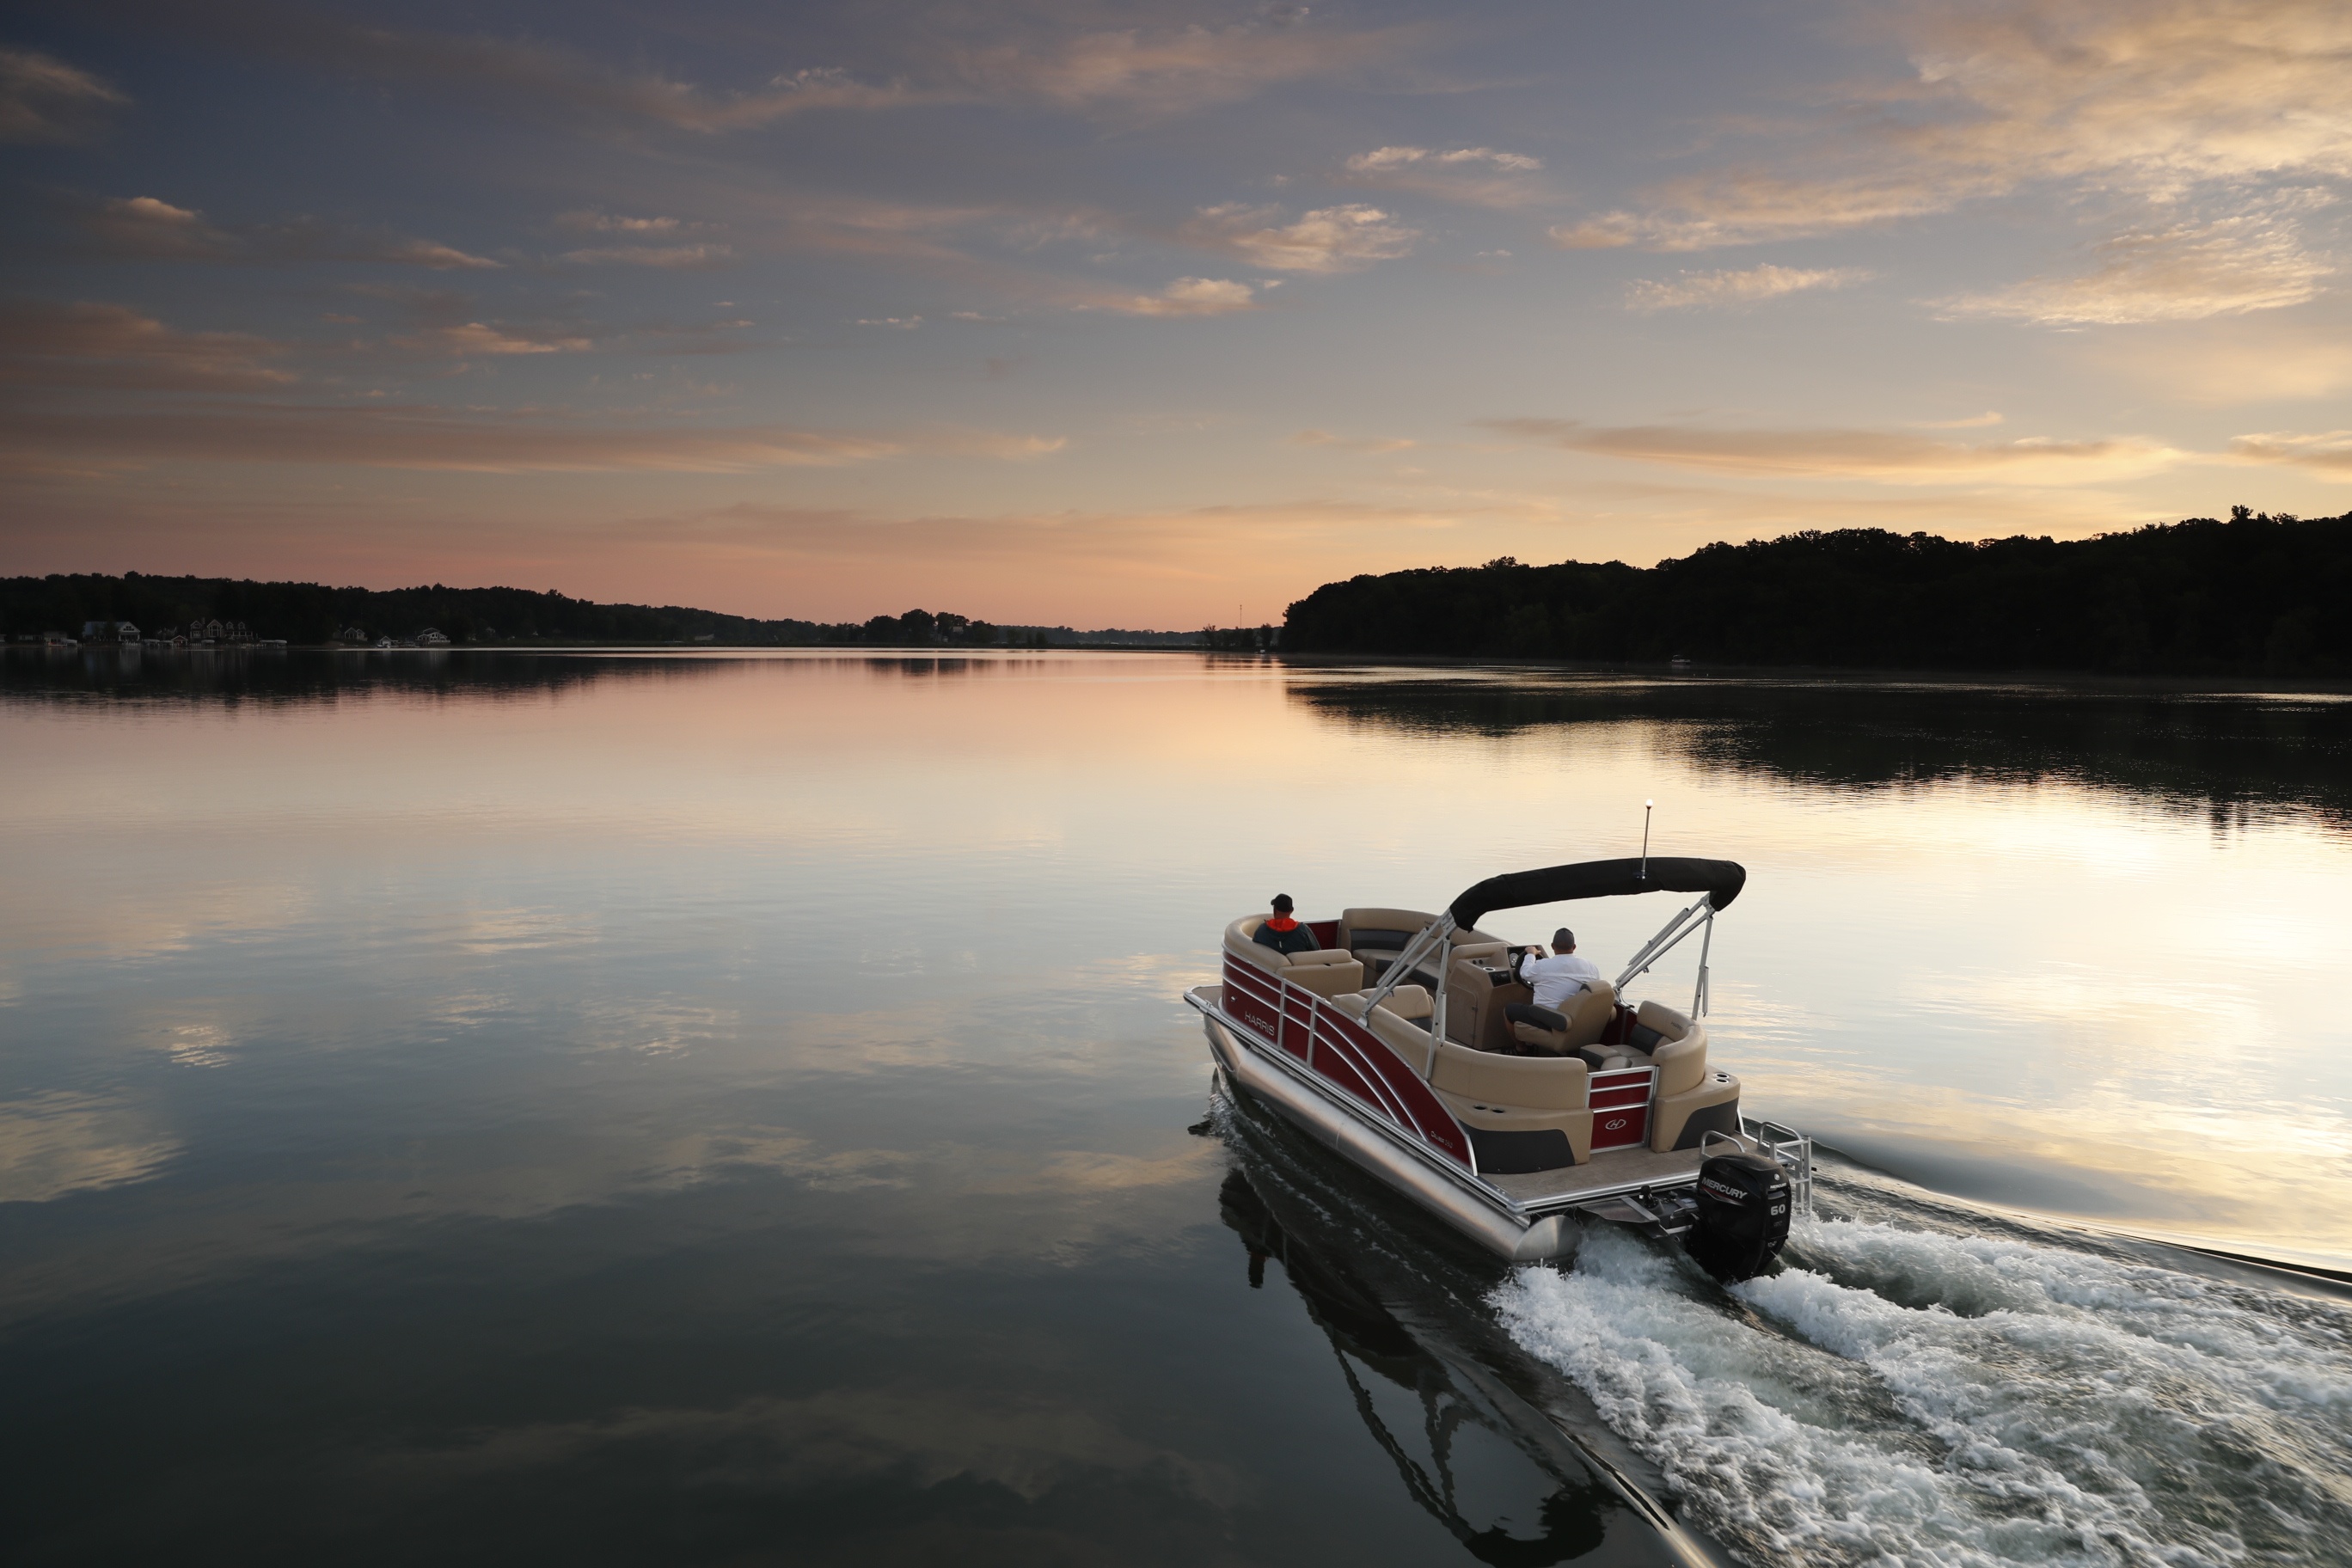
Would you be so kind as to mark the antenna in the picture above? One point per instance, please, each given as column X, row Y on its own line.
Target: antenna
column 1645, row 840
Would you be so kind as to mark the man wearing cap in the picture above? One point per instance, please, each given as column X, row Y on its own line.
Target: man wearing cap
column 1554, row 978
column 1282, row 934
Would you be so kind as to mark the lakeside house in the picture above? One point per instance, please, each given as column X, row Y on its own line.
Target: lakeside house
column 430, row 638
column 109, row 631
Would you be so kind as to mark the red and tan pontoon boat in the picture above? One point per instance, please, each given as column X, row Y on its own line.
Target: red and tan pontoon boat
column 1389, row 1044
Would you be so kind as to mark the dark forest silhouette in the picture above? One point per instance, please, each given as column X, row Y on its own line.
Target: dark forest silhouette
column 2254, row 594
column 312, row 613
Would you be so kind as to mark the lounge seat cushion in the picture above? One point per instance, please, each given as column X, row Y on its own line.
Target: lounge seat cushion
column 1412, row 1002
column 1532, row 1083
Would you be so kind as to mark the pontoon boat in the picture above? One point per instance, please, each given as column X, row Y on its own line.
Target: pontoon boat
column 1390, row 1043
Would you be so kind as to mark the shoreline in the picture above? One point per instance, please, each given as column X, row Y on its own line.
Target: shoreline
column 1648, row 672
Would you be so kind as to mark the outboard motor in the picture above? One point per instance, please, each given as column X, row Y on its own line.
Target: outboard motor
column 1742, row 1218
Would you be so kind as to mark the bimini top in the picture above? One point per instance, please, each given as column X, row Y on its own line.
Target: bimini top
column 1719, row 880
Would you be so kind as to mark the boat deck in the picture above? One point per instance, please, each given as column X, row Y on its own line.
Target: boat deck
column 1618, row 1170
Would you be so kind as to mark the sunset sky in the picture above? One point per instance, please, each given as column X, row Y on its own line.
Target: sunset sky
column 1149, row 315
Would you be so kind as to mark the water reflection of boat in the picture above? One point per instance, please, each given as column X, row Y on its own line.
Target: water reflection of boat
column 1390, row 1043
column 1434, row 1383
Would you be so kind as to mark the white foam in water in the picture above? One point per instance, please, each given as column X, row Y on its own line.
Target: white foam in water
column 2029, row 1404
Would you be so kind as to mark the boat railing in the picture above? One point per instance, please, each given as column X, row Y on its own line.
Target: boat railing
column 1621, row 1100
column 1343, row 1052
column 1793, row 1152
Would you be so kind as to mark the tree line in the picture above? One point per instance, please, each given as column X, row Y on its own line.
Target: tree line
column 2255, row 593
column 311, row 613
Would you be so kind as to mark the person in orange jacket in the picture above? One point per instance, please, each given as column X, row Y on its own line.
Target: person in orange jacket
column 1282, row 934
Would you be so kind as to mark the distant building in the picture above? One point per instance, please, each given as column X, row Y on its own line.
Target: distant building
column 487, row 634
column 351, row 634
column 430, row 638
column 109, row 631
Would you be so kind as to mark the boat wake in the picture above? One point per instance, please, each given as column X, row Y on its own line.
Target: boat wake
column 1905, row 1394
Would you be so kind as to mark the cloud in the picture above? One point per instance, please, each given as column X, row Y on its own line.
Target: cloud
column 1328, row 239
column 427, row 437
column 903, row 323
column 2184, row 273
column 1716, row 289
column 1385, row 158
column 1748, row 209
column 1973, row 422
column 2128, row 103
column 1154, row 72
column 2328, row 454
column 1325, row 439
column 1883, row 457
column 590, row 221
column 406, row 252
column 1479, row 176
column 1172, row 71
column 113, row 347
column 1185, row 297
column 149, row 228
column 153, row 229
column 531, row 75
column 42, row 99
column 669, row 255
column 478, row 338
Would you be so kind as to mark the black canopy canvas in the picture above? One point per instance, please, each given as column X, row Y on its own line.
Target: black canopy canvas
column 1719, row 880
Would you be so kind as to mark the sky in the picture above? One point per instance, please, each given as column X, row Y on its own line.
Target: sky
column 1149, row 315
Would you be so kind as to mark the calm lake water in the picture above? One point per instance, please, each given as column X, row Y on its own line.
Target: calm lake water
column 613, row 1109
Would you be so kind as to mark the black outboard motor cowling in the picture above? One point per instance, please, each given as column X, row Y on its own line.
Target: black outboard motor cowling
column 1743, row 1217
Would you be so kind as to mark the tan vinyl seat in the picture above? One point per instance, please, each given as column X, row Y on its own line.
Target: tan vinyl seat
column 1486, row 1092
column 1588, row 1014
column 1680, row 1050
column 1327, row 972
column 1692, row 1100
column 1376, row 936
column 1413, row 1003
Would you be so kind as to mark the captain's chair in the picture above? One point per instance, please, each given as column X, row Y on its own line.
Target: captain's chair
column 1584, row 1021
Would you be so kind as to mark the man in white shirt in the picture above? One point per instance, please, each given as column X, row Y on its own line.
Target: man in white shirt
column 1555, row 979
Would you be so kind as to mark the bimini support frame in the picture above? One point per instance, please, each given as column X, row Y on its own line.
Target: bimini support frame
column 1717, row 883
column 1431, row 938
column 1700, row 917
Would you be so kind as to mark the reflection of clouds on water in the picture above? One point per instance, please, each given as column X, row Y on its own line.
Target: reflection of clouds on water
column 715, row 1156
column 59, row 911
column 660, row 1027
column 200, row 1046
column 496, row 932
column 941, row 1199
column 1025, row 1443
column 59, row 1142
